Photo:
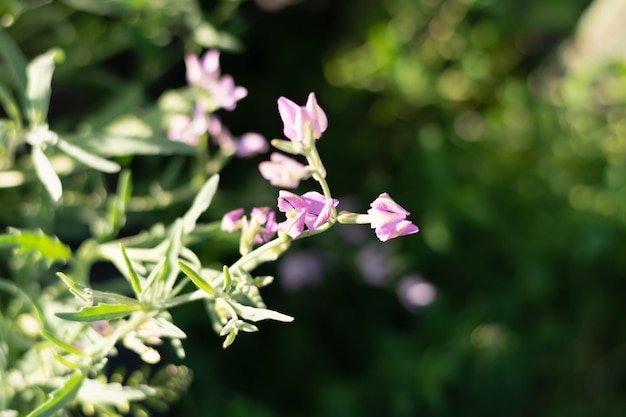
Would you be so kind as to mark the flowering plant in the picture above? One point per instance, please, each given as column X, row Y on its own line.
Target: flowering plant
column 73, row 326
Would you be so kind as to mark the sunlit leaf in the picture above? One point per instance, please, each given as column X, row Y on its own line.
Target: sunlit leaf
column 46, row 173
column 88, row 158
column 200, row 203
column 95, row 391
column 196, row 278
column 134, row 278
column 59, row 397
column 65, row 346
column 258, row 314
column 38, row 85
column 107, row 144
column 49, row 248
column 100, row 312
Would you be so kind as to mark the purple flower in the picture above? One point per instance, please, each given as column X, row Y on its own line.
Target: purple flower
column 263, row 223
column 282, row 171
column 260, row 228
column 389, row 219
column 182, row 128
column 201, row 70
column 250, row 144
column 298, row 119
column 232, row 220
column 247, row 145
column 311, row 209
column 204, row 73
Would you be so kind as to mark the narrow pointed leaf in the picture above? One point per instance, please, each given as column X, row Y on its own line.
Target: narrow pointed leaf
column 38, row 85
column 46, row 173
column 258, row 314
column 196, row 278
column 78, row 290
column 156, row 271
column 100, row 312
column 107, row 144
column 134, row 278
column 65, row 346
column 88, row 158
column 60, row 397
column 200, row 203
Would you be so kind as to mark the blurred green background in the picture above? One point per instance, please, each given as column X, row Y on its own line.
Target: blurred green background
column 499, row 124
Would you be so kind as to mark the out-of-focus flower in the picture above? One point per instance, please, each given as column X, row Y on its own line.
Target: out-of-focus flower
column 225, row 93
column 311, row 209
column 183, row 128
column 374, row 262
column 204, row 73
column 199, row 70
column 389, row 219
column 413, row 291
column 245, row 146
column 232, row 220
column 282, row 171
column 251, row 144
column 297, row 270
column 298, row 121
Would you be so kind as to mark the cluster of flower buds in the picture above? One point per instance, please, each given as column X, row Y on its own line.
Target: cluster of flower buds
column 311, row 212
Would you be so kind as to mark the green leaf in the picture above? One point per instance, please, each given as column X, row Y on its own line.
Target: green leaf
column 200, row 203
column 49, row 248
column 156, row 271
column 134, row 278
column 46, row 173
column 71, row 349
column 78, row 290
column 100, row 312
column 38, row 85
column 227, row 278
column 87, row 158
column 10, row 106
column 258, row 314
column 196, row 278
column 107, row 144
column 60, row 397
column 14, row 58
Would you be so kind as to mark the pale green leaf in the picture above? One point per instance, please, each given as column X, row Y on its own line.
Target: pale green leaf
column 46, row 173
column 65, row 346
column 112, row 393
column 108, row 145
column 196, row 278
column 59, row 397
column 134, row 278
column 200, row 203
column 258, row 314
column 100, row 312
column 156, row 272
column 38, row 85
column 87, row 158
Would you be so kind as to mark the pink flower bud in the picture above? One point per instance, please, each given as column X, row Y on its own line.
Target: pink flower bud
column 389, row 219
